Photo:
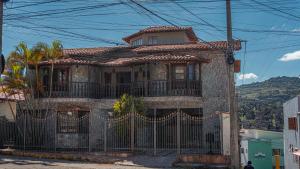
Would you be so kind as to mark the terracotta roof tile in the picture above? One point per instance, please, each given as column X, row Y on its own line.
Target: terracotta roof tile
column 154, row 58
column 121, row 54
column 16, row 96
column 131, row 60
column 217, row 45
column 156, row 29
column 67, row 61
column 85, row 51
column 98, row 52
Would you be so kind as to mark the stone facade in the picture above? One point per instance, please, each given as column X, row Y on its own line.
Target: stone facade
column 214, row 98
column 170, row 70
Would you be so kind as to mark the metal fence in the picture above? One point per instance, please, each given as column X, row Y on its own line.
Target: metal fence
column 91, row 132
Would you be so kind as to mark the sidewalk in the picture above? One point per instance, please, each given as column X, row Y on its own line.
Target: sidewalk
column 121, row 159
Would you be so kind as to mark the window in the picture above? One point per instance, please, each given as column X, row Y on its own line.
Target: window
column 137, row 42
column 60, row 76
column 276, row 152
column 180, row 72
column 152, row 40
column 242, row 150
column 107, row 78
column 292, row 123
column 191, row 69
column 148, row 74
column 72, row 122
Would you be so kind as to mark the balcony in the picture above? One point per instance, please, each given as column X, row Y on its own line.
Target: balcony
column 110, row 91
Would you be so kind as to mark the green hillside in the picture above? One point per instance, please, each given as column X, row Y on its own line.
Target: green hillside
column 260, row 104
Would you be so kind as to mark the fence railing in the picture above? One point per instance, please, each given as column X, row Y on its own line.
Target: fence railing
column 139, row 89
column 177, row 131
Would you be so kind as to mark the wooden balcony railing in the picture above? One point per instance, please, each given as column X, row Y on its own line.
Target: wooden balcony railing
column 138, row 89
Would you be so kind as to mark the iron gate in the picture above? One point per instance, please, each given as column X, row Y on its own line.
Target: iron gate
column 177, row 131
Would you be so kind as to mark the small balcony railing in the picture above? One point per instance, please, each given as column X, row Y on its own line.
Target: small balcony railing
column 139, row 89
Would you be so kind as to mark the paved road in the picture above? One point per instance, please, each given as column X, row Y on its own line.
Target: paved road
column 9, row 162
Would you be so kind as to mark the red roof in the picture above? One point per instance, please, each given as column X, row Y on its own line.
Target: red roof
column 67, row 61
column 86, row 51
column 155, row 58
column 15, row 96
column 131, row 60
column 216, row 45
column 157, row 29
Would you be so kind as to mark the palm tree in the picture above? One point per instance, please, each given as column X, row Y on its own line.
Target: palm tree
column 22, row 58
column 17, row 64
column 54, row 52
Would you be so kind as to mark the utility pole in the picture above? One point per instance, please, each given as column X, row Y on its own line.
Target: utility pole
column 1, row 24
column 2, row 59
column 234, row 124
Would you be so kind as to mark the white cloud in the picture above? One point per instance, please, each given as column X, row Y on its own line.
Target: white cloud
column 290, row 56
column 247, row 76
column 296, row 30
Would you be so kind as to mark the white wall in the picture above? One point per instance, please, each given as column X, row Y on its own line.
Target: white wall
column 226, row 133
column 291, row 137
column 244, row 155
column 6, row 111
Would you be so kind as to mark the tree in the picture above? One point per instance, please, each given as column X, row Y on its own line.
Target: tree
column 17, row 63
column 23, row 58
column 127, row 104
column 54, row 52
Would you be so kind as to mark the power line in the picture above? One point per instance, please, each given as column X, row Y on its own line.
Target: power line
column 153, row 13
column 276, row 9
column 34, row 4
column 61, row 11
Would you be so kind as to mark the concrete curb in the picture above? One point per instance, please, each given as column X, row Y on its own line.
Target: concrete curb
column 101, row 159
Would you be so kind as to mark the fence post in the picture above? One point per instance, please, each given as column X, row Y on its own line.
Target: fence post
column 105, row 135
column 55, row 129
column 178, row 131
column 154, row 134
column 90, row 123
column 24, row 131
column 132, row 130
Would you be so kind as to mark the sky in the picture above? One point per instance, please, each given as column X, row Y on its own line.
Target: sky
column 269, row 29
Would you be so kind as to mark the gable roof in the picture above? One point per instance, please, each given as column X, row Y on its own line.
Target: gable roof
column 180, row 58
column 124, row 55
column 158, row 29
column 121, row 50
column 17, row 95
column 203, row 46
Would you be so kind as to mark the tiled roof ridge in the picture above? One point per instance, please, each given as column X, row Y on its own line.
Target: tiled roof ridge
column 129, row 47
column 127, row 60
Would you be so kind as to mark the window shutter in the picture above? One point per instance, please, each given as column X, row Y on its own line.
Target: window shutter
column 292, row 123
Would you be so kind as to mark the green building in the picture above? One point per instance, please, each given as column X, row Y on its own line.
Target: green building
column 260, row 146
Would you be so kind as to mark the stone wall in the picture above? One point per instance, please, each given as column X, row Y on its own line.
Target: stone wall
column 214, row 93
column 158, row 71
column 79, row 73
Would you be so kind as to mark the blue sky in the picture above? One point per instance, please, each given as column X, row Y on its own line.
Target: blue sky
column 273, row 36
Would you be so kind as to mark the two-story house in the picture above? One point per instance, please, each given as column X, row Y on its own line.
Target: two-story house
column 167, row 66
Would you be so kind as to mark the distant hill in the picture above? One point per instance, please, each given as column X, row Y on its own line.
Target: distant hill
column 261, row 102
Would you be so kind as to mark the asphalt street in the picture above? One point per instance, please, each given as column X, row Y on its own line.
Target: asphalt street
column 9, row 162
